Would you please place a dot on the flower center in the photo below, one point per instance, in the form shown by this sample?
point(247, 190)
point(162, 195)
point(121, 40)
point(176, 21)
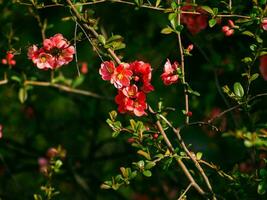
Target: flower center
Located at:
point(43, 59)
point(120, 76)
point(56, 51)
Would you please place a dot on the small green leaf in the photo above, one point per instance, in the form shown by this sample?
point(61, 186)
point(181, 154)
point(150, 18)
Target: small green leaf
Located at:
point(262, 187)
point(254, 77)
point(22, 95)
point(247, 60)
point(78, 81)
point(199, 155)
point(167, 30)
point(147, 173)
point(238, 89)
point(212, 22)
point(145, 154)
point(150, 165)
point(248, 33)
point(158, 3)
point(208, 9)
point(102, 39)
point(16, 78)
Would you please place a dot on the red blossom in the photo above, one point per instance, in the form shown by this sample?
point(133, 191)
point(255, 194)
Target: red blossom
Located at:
point(194, 23)
point(106, 70)
point(56, 52)
point(130, 91)
point(142, 73)
point(264, 24)
point(1, 131)
point(228, 30)
point(121, 76)
point(137, 105)
point(84, 68)
point(9, 59)
point(170, 75)
point(263, 66)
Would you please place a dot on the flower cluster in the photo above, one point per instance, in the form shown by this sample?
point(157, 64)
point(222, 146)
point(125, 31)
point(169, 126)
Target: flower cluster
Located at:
point(133, 83)
point(56, 51)
point(170, 73)
point(9, 60)
point(194, 23)
point(228, 30)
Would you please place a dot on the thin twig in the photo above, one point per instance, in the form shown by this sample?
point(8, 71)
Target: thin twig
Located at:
point(236, 106)
point(64, 88)
point(179, 161)
point(184, 193)
point(91, 29)
point(192, 157)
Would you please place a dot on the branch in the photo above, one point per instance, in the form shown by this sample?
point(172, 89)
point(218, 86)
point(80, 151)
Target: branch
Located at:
point(179, 161)
point(181, 50)
point(191, 156)
point(91, 29)
point(236, 106)
point(184, 193)
point(64, 88)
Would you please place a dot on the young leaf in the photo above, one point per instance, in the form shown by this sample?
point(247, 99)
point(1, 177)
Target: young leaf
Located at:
point(212, 22)
point(238, 89)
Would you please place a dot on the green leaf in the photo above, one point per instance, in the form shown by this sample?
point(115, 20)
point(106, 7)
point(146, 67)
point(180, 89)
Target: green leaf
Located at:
point(212, 22)
point(167, 30)
point(22, 95)
point(150, 165)
point(147, 173)
point(238, 89)
point(145, 154)
point(262, 187)
point(158, 3)
point(78, 81)
point(208, 9)
point(247, 60)
point(113, 114)
point(254, 77)
point(262, 53)
point(102, 39)
point(248, 33)
point(199, 155)
point(16, 78)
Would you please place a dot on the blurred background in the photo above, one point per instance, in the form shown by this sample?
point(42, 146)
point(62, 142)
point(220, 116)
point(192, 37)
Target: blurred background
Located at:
point(50, 117)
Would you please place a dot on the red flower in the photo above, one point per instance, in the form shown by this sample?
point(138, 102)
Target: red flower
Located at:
point(264, 24)
point(121, 76)
point(136, 106)
point(1, 131)
point(56, 51)
point(170, 75)
point(9, 59)
point(130, 91)
point(229, 29)
point(263, 66)
point(84, 68)
point(142, 73)
point(107, 70)
point(44, 61)
point(194, 23)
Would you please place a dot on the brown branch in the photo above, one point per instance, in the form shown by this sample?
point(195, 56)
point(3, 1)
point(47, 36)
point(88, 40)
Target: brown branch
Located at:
point(236, 106)
point(179, 161)
point(181, 50)
point(64, 88)
point(184, 193)
point(191, 156)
